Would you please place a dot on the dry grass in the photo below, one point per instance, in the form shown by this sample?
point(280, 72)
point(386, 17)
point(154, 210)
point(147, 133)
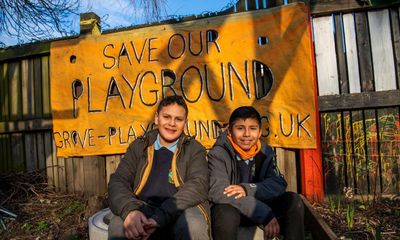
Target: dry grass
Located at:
point(42, 212)
point(378, 219)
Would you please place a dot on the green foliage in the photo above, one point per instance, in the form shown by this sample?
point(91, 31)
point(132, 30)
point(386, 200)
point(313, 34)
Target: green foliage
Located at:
point(397, 213)
point(42, 226)
point(350, 216)
point(73, 237)
point(334, 203)
point(378, 231)
point(74, 207)
point(2, 224)
point(362, 207)
point(26, 227)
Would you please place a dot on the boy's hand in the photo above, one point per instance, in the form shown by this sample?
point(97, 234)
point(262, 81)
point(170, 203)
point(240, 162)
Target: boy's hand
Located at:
point(133, 225)
point(237, 190)
point(272, 229)
point(150, 228)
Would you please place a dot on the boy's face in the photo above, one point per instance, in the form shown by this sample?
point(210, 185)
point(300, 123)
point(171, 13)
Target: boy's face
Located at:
point(245, 133)
point(170, 121)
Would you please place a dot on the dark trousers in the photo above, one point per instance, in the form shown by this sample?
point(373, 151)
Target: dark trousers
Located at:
point(190, 225)
point(288, 209)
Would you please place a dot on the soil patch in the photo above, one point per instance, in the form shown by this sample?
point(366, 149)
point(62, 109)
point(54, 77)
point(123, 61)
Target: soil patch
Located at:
point(358, 219)
point(41, 212)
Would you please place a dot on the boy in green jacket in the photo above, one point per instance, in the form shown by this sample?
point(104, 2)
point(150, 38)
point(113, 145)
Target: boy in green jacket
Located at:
point(246, 187)
point(160, 188)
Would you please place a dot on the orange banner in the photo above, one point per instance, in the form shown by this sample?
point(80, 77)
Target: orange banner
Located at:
point(105, 88)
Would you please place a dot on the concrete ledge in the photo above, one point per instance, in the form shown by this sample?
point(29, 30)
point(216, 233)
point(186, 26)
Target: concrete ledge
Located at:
point(315, 224)
point(98, 228)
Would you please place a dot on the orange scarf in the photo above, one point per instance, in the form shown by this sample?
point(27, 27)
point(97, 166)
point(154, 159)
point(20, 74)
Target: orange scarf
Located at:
point(245, 155)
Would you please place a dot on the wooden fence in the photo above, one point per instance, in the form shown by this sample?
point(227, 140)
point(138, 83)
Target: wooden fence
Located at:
point(358, 69)
point(352, 66)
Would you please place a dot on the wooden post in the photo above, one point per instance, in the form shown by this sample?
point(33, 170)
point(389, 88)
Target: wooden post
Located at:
point(312, 185)
point(90, 24)
point(286, 161)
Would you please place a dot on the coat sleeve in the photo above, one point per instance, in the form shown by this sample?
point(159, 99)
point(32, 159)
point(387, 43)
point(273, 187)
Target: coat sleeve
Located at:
point(273, 183)
point(191, 193)
point(250, 206)
point(120, 188)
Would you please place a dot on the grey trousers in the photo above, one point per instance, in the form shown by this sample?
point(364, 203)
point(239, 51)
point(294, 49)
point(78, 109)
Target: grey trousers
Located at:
point(288, 209)
point(191, 224)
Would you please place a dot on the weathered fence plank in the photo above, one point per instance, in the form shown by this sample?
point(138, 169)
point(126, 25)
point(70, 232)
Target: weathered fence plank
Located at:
point(46, 87)
point(100, 175)
point(395, 21)
point(30, 151)
point(389, 149)
point(79, 175)
point(8, 152)
point(325, 56)
point(359, 100)
point(57, 171)
point(69, 175)
point(349, 161)
point(38, 87)
point(110, 166)
point(360, 171)
point(25, 51)
point(382, 50)
point(95, 175)
point(26, 126)
point(41, 150)
point(28, 100)
point(286, 161)
point(319, 7)
point(112, 163)
point(364, 52)
point(101, 178)
point(333, 152)
point(3, 153)
point(61, 173)
point(341, 54)
point(373, 153)
point(91, 174)
point(351, 53)
point(5, 93)
point(17, 153)
point(2, 92)
point(14, 91)
point(48, 152)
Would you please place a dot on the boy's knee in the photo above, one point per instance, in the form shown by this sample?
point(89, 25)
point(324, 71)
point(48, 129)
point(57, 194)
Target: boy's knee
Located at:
point(116, 228)
point(198, 227)
point(295, 203)
point(225, 221)
point(191, 225)
point(224, 212)
point(296, 200)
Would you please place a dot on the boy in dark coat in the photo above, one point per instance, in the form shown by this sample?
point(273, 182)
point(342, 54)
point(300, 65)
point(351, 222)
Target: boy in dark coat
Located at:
point(160, 188)
point(246, 187)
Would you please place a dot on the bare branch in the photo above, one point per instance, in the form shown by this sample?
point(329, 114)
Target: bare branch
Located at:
point(36, 19)
point(43, 19)
point(153, 9)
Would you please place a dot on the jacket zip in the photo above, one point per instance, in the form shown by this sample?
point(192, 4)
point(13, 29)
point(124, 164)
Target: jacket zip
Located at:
point(142, 173)
point(201, 208)
point(141, 176)
point(205, 215)
point(178, 177)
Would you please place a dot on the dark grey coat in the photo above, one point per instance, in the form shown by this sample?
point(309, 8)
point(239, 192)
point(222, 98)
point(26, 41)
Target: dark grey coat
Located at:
point(191, 167)
point(269, 183)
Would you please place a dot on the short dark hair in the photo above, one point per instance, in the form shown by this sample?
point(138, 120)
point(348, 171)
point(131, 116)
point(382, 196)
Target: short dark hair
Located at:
point(244, 112)
point(174, 99)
